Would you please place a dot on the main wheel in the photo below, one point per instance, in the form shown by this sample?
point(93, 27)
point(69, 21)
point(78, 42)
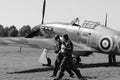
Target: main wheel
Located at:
point(110, 59)
point(76, 60)
point(49, 62)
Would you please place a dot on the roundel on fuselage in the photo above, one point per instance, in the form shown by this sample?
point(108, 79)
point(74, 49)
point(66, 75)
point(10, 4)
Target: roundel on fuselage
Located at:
point(105, 44)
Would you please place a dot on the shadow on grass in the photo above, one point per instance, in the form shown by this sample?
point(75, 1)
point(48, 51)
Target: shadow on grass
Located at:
point(84, 78)
point(44, 69)
point(87, 77)
point(33, 70)
point(82, 65)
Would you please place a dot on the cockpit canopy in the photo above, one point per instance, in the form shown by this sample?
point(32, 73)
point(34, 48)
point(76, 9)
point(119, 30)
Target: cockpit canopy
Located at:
point(90, 24)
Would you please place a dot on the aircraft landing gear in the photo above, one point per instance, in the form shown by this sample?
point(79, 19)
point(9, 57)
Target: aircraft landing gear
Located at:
point(44, 60)
point(49, 62)
point(76, 59)
point(112, 59)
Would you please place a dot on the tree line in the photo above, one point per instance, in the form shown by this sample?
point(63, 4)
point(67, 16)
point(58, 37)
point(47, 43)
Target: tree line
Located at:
point(12, 31)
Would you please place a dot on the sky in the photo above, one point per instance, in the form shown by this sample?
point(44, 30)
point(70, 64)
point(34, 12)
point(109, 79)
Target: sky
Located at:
point(29, 12)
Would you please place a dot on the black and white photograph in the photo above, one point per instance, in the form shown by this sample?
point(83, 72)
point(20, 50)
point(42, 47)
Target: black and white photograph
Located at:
point(59, 40)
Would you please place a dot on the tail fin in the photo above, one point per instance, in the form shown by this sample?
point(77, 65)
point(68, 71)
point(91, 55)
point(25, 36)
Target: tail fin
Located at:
point(106, 20)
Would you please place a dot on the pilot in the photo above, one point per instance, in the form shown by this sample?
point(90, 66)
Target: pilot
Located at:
point(66, 50)
point(59, 57)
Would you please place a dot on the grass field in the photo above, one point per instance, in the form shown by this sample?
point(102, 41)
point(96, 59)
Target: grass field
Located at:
point(25, 66)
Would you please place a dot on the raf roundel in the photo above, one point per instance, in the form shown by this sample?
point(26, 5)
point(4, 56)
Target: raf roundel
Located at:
point(105, 44)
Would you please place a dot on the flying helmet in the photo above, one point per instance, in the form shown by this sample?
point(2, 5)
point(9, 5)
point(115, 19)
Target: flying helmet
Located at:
point(57, 37)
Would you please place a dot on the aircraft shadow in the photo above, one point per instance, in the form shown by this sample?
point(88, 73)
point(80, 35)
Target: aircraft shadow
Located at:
point(84, 78)
point(88, 77)
point(81, 65)
point(33, 70)
point(105, 64)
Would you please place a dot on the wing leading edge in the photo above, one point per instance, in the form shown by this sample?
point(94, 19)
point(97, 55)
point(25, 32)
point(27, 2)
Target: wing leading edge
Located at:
point(28, 42)
point(82, 49)
point(40, 43)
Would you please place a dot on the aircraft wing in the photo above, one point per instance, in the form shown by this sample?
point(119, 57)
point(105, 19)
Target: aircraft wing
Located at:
point(83, 49)
point(39, 43)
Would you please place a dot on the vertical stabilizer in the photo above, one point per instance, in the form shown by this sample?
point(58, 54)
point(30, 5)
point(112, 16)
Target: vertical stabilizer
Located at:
point(106, 20)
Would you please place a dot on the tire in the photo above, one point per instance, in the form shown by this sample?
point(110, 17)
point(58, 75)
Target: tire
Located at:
point(49, 61)
point(76, 60)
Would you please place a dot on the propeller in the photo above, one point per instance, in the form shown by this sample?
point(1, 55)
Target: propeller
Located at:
point(43, 14)
point(33, 33)
point(106, 20)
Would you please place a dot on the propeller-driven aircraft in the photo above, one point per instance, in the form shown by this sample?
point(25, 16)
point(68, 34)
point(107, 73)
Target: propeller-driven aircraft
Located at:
point(87, 38)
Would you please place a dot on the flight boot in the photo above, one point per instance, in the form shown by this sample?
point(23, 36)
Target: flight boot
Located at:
point(60, 76)
point(54, 73)
point(72, 75)
point(70, 72)
point(78, 74)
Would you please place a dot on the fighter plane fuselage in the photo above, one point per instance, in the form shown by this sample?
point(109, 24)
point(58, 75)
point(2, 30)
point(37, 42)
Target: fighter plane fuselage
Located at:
point(93, 34)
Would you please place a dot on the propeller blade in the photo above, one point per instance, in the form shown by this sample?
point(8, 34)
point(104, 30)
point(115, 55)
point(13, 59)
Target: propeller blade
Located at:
point(32, 34)
point(106, 20)
point(43, 13)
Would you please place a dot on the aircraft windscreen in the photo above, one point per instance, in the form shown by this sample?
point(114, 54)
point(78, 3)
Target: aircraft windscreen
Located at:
point(90, 24)
point(76, 25)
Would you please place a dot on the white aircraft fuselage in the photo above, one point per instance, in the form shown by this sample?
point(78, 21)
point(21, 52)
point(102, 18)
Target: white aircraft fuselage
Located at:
point(93, 34)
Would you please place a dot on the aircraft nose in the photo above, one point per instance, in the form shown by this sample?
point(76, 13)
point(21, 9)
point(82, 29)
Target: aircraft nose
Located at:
point(47, 31)
point(46, 28)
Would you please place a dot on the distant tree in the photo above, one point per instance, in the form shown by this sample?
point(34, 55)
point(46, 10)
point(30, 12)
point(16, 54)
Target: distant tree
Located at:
point(26, 29)
point(13, 32)
point(12, 27)
point(1, 30)
point(5, 32)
